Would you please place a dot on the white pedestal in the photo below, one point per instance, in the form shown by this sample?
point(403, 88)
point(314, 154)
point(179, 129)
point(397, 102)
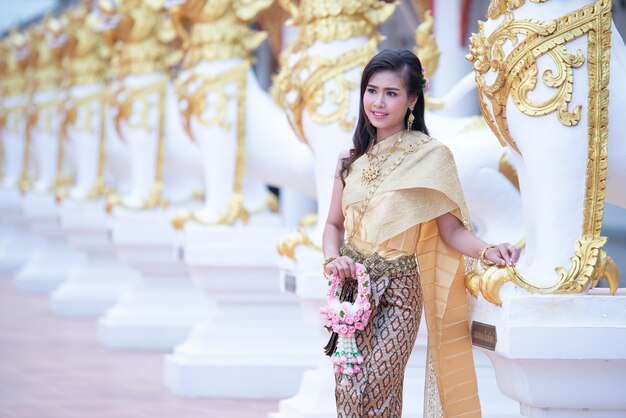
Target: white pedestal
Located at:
point(560, 356)
point(50, 264)
point(257, 335)
point(95, 284)
point(17, 242)
point(316, 396)
point(156, 313)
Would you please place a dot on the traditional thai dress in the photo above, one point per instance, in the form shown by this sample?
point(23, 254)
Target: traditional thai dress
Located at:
point(390, 228)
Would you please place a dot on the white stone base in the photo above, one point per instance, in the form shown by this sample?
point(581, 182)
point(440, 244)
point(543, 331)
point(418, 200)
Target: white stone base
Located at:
point(258, 336)
point(560, 355)
point(92, 287)
point(48, 267)
point(316, 396)
point(16, 248)
point(156, 314)
point(270, 356)
point(17, 242)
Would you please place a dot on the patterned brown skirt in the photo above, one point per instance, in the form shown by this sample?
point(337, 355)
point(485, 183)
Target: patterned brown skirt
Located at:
point(387, 341)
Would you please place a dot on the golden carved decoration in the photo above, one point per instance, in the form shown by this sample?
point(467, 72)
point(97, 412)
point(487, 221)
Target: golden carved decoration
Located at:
point(300, 84)
point(287, 245)
point(499, 7)
point(428, 53)
point(331, 20)
point(518, 71)
point(87, 57)
point(217, 29)
point(143, 40)
point(589, 264)
point(45, 59)
point(427, 49)
point(25, 181)
point(15, 63)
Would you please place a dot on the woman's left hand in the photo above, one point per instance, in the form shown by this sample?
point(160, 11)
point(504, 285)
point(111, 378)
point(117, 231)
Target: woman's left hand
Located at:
point(502, 254)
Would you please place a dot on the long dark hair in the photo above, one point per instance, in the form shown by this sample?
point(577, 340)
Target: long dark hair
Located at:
point(409, 67)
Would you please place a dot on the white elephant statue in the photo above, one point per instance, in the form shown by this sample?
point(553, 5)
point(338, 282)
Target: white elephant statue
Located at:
point(165, 167)
point(542, 72)
point(244, 137)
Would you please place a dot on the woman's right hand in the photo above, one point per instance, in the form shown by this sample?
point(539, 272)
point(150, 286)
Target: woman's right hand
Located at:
point(343, 267)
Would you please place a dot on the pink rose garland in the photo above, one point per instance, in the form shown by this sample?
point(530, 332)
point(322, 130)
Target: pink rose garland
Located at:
point(346, 319)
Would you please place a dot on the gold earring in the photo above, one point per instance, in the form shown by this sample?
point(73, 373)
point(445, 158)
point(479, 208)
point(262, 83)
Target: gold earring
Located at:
point(409, 122)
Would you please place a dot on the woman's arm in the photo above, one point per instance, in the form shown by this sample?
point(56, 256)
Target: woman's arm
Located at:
point(334, 231)
point(456, 236)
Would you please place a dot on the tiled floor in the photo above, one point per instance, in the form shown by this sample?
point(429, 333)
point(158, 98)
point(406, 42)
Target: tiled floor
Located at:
point(53, 367)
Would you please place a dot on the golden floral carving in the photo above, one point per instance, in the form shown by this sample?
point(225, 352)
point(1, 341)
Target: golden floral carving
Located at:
point(287, 245)
point(143, 38)
point(428, 53)
point(516, 75)
point(301, 86)
point(15, 64)
point(213, 30)
point(499, 7)
point(331, 20)
point(87, 57)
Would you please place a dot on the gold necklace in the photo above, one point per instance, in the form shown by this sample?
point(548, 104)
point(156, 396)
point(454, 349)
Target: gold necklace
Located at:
point(372, 171)
point(376, 182)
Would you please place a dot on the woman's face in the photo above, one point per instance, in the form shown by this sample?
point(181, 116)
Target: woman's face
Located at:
point(385, 102)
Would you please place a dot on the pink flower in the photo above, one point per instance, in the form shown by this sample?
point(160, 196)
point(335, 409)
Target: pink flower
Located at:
point(359, 326)
point(346, 382)
point(335, 320)
point(343, 329)
point(349, 320)
point(351, 330)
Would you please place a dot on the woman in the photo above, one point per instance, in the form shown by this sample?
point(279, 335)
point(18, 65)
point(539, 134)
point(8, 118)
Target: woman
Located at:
point(398, 208)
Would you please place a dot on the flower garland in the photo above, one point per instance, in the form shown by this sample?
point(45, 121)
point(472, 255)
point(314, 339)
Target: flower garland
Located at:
point(345, 319)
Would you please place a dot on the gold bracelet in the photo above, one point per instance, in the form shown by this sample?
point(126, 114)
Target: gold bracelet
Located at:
point(328, 260)
point(481, 257)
